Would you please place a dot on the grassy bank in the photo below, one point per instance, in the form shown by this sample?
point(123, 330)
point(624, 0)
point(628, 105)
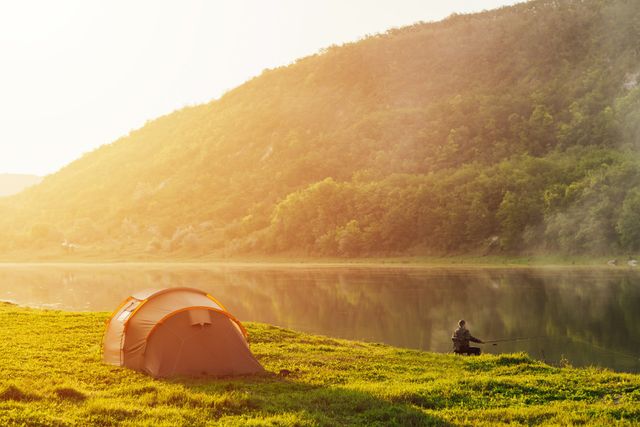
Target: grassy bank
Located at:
point(51, 374)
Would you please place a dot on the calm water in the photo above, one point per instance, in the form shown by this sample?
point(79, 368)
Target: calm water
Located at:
point(589, 317)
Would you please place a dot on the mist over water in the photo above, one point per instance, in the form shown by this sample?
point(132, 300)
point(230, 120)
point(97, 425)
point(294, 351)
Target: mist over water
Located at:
point(585, 316)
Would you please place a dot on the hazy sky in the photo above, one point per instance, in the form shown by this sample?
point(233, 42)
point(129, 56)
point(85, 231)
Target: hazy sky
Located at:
point(78, 74)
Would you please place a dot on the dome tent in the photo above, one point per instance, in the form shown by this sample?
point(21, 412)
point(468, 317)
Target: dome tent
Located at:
point(177, 331)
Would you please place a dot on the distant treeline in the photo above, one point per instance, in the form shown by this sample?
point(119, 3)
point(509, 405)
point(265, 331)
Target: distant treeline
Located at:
point(583, 200)
point(510, 130)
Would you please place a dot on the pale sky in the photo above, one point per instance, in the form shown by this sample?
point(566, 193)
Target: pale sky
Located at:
point(78, 74)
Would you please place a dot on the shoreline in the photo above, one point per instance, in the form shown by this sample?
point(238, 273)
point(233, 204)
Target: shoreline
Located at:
point(303, 265)
point(462, 262)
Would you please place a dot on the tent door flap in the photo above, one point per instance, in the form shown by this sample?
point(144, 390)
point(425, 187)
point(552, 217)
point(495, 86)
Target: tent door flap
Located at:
point(199, 317)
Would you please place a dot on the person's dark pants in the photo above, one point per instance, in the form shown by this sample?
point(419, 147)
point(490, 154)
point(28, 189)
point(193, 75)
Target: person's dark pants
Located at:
point(469, 351)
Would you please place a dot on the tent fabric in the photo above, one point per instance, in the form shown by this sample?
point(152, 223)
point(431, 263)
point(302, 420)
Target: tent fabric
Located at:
point(177, 331)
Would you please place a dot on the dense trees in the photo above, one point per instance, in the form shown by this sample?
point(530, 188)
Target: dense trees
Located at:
point(518, 126)
point(565, 202)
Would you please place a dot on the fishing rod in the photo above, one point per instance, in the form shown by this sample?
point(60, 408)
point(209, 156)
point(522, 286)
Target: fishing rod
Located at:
point(496, 342)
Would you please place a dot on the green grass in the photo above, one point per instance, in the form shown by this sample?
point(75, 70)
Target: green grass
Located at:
point(51, 374)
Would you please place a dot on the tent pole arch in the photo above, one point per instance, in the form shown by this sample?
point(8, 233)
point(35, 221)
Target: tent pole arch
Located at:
point(244, 332)
point(212, 298)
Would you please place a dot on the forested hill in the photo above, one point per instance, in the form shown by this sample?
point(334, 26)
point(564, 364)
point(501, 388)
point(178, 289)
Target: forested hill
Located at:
point(15, 183)
point(509, 130)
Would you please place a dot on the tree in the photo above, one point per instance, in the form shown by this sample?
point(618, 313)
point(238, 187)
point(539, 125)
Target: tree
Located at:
point(628, 226)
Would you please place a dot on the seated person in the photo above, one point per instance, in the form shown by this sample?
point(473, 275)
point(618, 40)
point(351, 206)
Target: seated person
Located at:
point(461, 338)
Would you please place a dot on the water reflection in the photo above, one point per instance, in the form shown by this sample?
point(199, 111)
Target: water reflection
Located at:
point(585, 316)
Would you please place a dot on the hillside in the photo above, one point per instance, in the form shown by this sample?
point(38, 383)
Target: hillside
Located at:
point(52, 374)
point(511, 130)
point(14, 183)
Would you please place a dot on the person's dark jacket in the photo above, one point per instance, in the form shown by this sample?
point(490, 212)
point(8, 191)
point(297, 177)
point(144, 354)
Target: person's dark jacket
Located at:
point(461, 338)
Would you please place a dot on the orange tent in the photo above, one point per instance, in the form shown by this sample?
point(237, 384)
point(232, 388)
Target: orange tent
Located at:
point(177, 331)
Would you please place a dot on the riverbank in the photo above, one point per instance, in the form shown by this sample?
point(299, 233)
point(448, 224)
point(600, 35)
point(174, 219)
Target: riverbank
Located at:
point(51, 374)
point(495, 261)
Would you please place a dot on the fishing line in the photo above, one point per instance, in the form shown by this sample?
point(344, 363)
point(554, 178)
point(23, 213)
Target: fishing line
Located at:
point(602, 349)
point(606, 350)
